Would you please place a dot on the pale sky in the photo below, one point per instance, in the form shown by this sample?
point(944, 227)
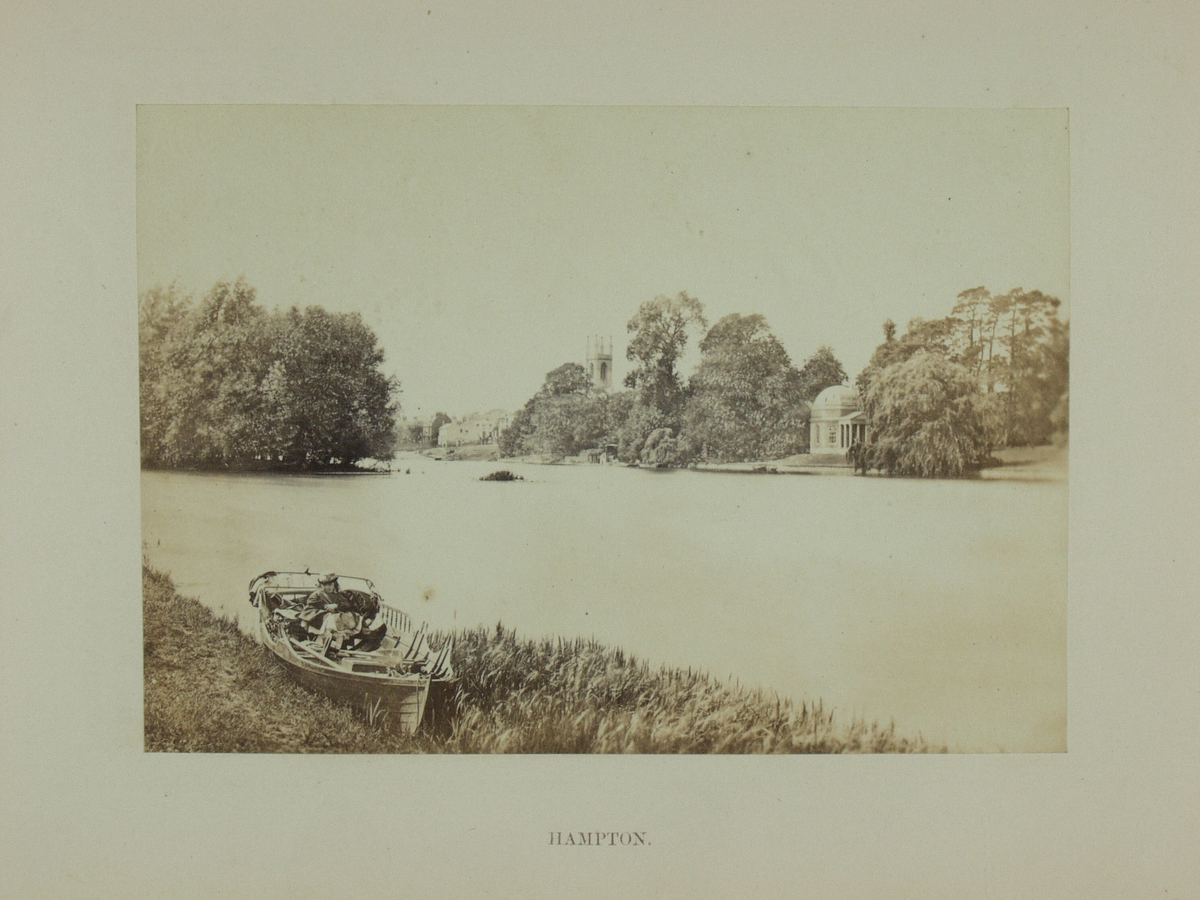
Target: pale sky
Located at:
point(485, 244)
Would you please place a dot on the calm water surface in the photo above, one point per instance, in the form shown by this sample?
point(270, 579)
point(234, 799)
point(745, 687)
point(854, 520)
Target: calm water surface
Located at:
point(939, 604)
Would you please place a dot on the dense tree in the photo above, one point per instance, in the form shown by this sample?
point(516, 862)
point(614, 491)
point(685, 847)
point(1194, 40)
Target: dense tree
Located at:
point(1034, 366)
point(513, 438)
point(569, 378)
point(328, 399)
point(229, 352)
point(638, 423)
point(971, 313)
point(202, 403)
point(225, 384)
point(1036, 411)
point(660, 332)
point(568, 424)
point(925, 419)
point(1012, 343)
point(821, 370)
point(564, 418)
point(660, 450)
point(161, 314)
point(931, 336)
point(746, 398)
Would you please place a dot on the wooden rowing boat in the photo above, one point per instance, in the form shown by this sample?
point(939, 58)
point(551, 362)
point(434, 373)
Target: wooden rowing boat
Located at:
point(393, 677)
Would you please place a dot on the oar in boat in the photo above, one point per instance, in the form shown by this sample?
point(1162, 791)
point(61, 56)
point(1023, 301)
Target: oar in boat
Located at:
point(413, 648)
point(438, 669)
point(312, 652)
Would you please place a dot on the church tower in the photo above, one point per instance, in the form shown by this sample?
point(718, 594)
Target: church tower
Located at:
point(599, 362)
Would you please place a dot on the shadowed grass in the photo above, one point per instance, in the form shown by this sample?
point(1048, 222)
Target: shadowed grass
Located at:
point(210, 688)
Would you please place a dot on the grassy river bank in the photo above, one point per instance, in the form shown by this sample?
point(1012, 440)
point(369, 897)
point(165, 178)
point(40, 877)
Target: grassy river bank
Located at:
point(210, 688)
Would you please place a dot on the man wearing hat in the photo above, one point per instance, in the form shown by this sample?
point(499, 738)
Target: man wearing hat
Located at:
point(324, 599)
point(343, 619)
point(327, 585)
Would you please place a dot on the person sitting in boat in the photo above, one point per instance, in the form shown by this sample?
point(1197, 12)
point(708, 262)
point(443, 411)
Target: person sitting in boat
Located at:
point(348, 618)
point(371, 628)
point(321, 601)
point(326, 592)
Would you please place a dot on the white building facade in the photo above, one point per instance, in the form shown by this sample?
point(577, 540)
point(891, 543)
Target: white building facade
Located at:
point(837, 421)
point(474, 429)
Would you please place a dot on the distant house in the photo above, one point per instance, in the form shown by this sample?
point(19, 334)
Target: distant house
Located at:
point(476, 428)
point(837, 421)
point(425, 423)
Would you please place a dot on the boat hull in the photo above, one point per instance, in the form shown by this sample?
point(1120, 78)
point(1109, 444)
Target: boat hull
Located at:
point(397, 701)
point(391, 687)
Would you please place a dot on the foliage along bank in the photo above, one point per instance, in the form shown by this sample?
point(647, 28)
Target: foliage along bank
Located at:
point(938, 400)
point(992, 374)
point(745, 401)
point(225, 384)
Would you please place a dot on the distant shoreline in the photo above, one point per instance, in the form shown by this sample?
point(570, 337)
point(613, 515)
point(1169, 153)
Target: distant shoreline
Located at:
point(377, 468)
point(1045, 463)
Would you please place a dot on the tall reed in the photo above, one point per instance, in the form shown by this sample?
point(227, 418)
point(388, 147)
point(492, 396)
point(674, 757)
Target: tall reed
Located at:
point(558, 695)
point(210, 688)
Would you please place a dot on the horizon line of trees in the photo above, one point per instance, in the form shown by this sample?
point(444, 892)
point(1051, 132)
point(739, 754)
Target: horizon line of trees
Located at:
point(746, 399)
point(225, 384)
point(938, 399)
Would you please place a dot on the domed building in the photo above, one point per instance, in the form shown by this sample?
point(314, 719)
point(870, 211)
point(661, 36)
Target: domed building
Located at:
point(837, 421)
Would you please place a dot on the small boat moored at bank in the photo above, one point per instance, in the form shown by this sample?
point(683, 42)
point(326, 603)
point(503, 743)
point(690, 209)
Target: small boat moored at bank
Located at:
point(336, 636)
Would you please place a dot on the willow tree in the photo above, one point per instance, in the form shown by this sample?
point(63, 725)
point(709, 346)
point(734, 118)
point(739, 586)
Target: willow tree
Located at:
point(926, 418)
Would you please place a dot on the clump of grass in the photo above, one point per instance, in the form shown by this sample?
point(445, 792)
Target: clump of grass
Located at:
point(502, 475)
point(373, 713)
point(210, 688)
point(579, 696)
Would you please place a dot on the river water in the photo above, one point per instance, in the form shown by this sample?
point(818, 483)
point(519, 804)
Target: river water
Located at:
point(940, 605)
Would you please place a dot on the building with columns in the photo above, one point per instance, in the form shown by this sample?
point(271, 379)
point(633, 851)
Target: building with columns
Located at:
point(837, 421)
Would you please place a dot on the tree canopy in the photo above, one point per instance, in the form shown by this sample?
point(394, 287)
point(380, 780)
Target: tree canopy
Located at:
point(821, 370)
point(937, 398)
point(1013, 344)
point(225, 384)
point(327, 397)
point(660, 332)
point(746, 398)
point(925, 419)
point(564, 418)
point(569, 378)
